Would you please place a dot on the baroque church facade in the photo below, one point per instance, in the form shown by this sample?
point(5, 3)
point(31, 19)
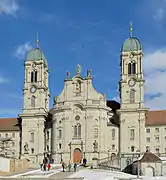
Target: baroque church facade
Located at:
point(82, 122)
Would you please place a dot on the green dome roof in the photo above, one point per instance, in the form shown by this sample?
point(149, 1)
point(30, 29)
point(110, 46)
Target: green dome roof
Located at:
point(131, 44)
point(35, 54)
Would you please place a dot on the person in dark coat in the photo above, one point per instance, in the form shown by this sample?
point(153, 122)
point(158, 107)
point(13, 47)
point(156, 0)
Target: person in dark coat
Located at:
point(75, 167)
point(63, 166)
point(84, 162)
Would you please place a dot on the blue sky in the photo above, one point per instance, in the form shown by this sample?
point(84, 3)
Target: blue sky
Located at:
point(85, 32)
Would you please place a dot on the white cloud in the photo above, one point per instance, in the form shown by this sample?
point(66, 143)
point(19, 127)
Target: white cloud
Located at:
point(21, 50)
point(159, 16)
point(8, 7)
point(3, 80)
point(154, 64)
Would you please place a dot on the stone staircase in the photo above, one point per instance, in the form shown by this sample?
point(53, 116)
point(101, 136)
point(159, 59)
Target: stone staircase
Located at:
point(109, 163)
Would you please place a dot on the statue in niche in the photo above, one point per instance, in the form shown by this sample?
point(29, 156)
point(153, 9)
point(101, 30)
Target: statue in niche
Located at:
point(95, 146)
point(89, 73)
point(78, 86)
point(78, 69)
point(26, 149)
point(55, 99)
point(68, 75)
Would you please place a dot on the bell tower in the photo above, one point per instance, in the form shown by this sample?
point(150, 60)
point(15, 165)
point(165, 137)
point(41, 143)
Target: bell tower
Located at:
point(131, 86)
point(36, 105)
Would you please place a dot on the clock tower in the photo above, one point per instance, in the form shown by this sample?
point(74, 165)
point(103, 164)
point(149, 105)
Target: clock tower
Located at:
point(36, 105)
point(131, 86)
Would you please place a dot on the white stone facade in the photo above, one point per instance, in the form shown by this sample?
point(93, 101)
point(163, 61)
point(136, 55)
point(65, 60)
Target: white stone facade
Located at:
point(80, 123)
point(80, 116)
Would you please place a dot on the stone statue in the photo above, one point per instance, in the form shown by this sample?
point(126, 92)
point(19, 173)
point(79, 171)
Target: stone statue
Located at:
point(89, 73)
point(104, 96)
point(78, 69)
point(68, 75)
point(26, 149)
point(55, 99)
point(95, 146)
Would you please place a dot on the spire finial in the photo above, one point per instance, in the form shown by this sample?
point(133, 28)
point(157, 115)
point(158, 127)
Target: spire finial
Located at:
point(131, 29)
point(37, 40)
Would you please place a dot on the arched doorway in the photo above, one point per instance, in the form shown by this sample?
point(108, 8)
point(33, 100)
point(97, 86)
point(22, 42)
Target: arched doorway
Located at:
point(149, 171)
point(77, 156)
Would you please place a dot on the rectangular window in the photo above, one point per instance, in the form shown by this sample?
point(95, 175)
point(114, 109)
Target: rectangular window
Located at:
point(157, 130)
point(113, 147)
point(95, 132)
point(32, 137)
point(47, 136)
point(157, 150)
point(157, 139)
point(113, 134)
point(132, 134)
point(147, 148)
point(60, 133)
point(148, 139)
point(148, 130)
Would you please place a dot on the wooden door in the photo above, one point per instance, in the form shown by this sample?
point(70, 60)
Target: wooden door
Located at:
point(77, 156)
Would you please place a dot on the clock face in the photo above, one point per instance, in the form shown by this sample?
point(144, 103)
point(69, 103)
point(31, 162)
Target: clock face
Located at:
point(33, 89)
point(132, 82)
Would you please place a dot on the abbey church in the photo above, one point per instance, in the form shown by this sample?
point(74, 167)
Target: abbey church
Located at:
point(83, 123)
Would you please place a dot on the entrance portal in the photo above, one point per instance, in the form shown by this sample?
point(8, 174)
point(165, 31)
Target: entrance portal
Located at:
point(77, 156)
point(149, 171)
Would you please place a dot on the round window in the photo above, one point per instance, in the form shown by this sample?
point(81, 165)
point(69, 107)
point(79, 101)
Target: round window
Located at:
point(77, 117)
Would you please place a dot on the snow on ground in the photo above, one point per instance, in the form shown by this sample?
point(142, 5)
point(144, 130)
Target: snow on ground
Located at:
point(38, 173)
point(100, 175)
point(108, 175)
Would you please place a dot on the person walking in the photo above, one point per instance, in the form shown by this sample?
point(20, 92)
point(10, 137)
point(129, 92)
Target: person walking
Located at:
point(63, 166)
point(69, 166)
point(41, 166)
point(75, 167)
point(48, 166)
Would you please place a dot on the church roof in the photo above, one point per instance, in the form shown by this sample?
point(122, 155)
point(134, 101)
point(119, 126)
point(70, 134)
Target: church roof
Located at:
point(9, 124)
point(131, 44)
point(148, 157)
point(35, 55)
point(156, 118)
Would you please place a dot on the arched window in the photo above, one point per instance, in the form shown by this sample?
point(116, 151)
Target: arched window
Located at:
point(131, 68)
point(79, 130)
point(35, 76)
point(33, 101)
point(32, 76)
point(75, 131)
point(113, 134)
point(132, 96)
